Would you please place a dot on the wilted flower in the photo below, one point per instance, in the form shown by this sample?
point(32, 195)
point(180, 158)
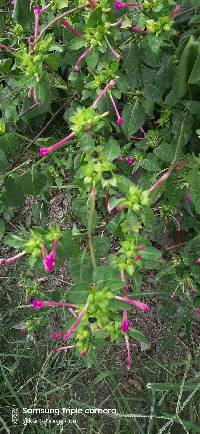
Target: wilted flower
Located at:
point(120, 5)
point(119, 118)
point(83, 56)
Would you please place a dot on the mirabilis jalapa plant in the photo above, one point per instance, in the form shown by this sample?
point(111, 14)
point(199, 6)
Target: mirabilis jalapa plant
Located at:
point(110, 108)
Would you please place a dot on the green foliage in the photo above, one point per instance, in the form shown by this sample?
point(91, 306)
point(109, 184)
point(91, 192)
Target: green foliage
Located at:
point(131, 159)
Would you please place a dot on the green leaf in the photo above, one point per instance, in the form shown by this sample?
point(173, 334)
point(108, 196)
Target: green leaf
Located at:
point(76, 44)
point(13, 195)
point(93, 58)
point(81, 268)
point(61, 4)
point(3, 161)
point(101, 246)
point(78, 294)
point(22, 13)
point(112, 149)
point(79, 208)
point(2, 229)
point(105, 275)
point(15, 241)
point(151, 254)
point(137, 280)
point(195, 74)
point(133, 117)
point(183, 71)
point(68, 246)
point(114, 202)
point(138, 335)
point(33, 182)
point(150, 163)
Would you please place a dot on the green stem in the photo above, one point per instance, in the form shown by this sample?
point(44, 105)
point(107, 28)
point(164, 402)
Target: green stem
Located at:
point(179, 142)
point(91, 206)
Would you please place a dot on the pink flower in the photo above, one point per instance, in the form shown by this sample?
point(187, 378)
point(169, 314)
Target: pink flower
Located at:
point(125, 326)
point(59, 349)
point(198, 261)
point(175, 10)
point(128, 160)
point(141, 247)
point(45, 151)
point(103, 92)
point(119, 118)
point(197, 310)
point(84, 353)
point(85, 54)
point(49, 260)
point(120, 5)
point(160, 180)
point(74, 326)
point(38, 304)
point(93, 4)
point(138, 257)
point(137, 303)
point(37, 12)
point(6, 261)
point(7, 48)
point(71, 28)
point(72, 329)
point(188, 197)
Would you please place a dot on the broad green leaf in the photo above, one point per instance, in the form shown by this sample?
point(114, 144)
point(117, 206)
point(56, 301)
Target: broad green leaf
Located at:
point(81, 268)
point(138, 335)
point(78, 294)
point(2, 229)
point(13, 195)
point(133, 116)
point(68, 246)
point(3, 161)
point(15, 241)
point(22, 13)
point(61, 4)
point(79, 208)
point(33, 182)
point(114, 202)
point(183, 71)
point(150, 254)
point(93, 58)
point(112, 149)
point(150, 163)
point(195, 74)
point(105, 275)
point(76, 44)
point(101, 246)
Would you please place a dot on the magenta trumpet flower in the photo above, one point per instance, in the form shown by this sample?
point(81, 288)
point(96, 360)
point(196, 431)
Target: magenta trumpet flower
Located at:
point(137, 303)
point(128, 160)
point(37, 12)
point(49, 260)
point(120, 5)
point(138, 30)
point(7, 261)
point(45, 151)
point(7, 47)
point(72, 329)
point(38, 304)
point(103, 92)
point(83, 56)
point(71, 28)
point(197, 310)
point(59, 349)
point(93, 4)
point(119, 118)
point(74, 326)
point(162, 179)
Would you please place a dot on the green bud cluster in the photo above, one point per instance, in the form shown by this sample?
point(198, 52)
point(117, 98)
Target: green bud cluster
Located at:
point(126, 260)
point(85, 118)
point(41, 236)
point(106, 73)
point(95, 319)
point(153, 138)
point(136, 199)
point(95, 36)
point(163, 24)
point(98, 169)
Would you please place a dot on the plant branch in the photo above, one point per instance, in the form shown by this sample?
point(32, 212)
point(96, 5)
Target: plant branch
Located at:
point(91, 206)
